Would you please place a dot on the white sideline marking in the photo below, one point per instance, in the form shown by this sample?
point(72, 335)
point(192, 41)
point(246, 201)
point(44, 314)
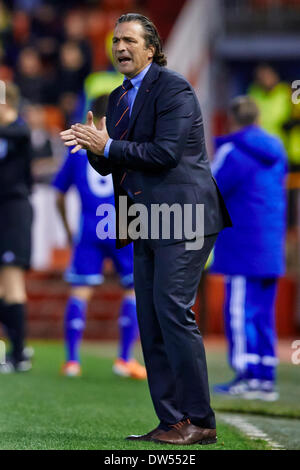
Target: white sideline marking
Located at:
point(249, 429)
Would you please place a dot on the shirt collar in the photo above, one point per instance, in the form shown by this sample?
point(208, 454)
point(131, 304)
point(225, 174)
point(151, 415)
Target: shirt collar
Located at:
point(137, 80)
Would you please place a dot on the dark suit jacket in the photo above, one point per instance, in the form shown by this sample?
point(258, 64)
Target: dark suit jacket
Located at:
point(163, 159)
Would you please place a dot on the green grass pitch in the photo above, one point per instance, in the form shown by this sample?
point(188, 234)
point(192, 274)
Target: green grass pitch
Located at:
point(43, 410)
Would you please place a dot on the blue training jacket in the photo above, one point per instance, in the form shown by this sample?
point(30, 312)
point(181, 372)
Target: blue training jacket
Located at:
point(250, 168)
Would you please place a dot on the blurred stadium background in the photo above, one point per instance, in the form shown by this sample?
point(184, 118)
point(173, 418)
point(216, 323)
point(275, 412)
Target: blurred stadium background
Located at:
point(57, 53)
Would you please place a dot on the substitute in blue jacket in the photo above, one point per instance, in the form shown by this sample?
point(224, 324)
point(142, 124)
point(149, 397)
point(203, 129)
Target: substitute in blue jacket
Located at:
point(89, 251)
point(250, 167)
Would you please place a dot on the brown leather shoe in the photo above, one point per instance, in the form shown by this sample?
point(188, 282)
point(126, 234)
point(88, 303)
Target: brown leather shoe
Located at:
point(186, 433)
point(146, 437)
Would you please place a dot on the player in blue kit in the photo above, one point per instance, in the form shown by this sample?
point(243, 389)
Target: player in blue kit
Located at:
point(89, 251)
point(250, 168)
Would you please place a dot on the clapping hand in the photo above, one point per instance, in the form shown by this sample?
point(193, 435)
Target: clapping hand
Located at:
point(87, 136)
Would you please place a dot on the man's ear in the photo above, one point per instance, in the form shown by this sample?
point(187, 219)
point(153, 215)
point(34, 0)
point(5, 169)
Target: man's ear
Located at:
point(151, 52)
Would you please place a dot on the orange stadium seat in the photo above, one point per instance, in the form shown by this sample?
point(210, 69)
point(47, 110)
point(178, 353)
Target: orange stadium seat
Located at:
point(54, 119)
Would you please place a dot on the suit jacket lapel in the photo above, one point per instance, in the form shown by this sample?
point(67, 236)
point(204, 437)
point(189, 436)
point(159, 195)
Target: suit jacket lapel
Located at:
point(146, 85)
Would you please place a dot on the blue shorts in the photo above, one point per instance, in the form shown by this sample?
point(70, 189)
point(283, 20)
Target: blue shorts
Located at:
point(88, 255)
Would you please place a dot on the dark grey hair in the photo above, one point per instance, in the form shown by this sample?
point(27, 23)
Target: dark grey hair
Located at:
point(244, 110)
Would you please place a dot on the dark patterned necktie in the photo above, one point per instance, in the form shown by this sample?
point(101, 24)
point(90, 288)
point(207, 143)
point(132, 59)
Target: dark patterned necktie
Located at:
point(122, 112)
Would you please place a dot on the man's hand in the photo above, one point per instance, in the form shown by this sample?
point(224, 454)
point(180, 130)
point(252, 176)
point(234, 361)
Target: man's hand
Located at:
point(87, 136)
point(91, 138)
point(68, 136)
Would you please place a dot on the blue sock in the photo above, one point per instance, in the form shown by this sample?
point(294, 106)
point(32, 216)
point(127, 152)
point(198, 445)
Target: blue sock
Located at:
point(128, 325)
point(74, 326)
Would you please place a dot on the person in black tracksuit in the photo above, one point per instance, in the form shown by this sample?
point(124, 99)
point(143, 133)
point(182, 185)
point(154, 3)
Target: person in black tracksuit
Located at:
point(15, 227)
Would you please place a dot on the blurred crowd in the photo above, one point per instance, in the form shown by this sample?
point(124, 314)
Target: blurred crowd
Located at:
point(55, 50)
point(279, 115)
point(48, 49)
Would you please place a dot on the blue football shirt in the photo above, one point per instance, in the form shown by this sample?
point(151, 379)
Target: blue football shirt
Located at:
point(93, 189)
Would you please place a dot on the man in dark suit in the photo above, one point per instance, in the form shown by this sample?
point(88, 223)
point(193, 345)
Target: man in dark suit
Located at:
point(154, 146)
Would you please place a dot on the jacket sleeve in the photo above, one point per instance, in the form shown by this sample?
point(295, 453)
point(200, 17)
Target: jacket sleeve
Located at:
point(100, 163)
point(174, 119)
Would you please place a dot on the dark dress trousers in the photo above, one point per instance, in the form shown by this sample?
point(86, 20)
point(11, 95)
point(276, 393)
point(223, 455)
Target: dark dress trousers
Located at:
point(163, 160)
